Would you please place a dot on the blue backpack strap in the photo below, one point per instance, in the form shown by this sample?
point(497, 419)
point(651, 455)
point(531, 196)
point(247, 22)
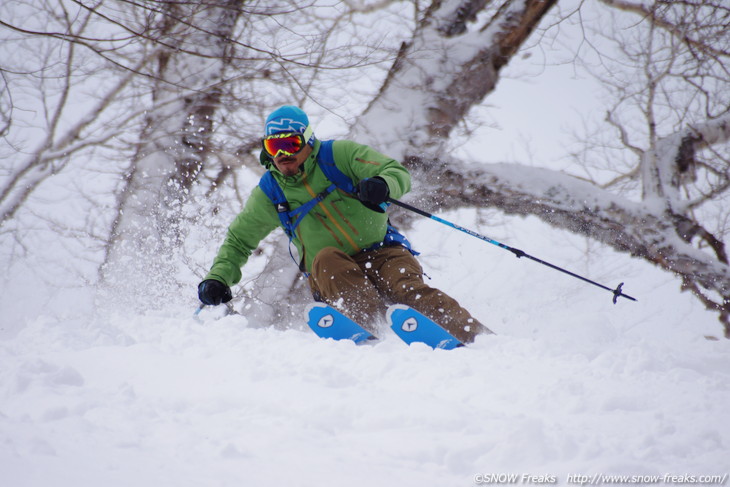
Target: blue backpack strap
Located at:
point(290, 219)
point(298, 214)
point(326, 161)
point(272, 189)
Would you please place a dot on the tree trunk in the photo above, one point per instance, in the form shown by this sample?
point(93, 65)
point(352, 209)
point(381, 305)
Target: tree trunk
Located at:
point(443, 71)
point(174, 143)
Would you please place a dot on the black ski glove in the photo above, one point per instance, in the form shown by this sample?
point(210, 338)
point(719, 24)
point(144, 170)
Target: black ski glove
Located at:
point(372, 192)
point(213, 293)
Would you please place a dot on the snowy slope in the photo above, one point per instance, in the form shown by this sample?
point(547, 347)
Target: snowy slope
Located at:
point(570, 385)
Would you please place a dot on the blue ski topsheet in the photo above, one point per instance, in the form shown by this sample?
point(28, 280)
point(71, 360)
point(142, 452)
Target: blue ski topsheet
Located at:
point(411, 326)
point(327, 322)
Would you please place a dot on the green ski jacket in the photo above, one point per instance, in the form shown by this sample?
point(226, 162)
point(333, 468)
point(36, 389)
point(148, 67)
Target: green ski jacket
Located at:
point(340, 220)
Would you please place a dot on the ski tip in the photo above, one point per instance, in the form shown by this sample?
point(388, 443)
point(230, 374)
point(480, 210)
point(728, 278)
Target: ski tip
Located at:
point(315, 305)
point(392, 309)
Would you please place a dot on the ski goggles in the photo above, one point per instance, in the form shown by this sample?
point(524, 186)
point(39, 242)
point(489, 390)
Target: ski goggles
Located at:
point(288, 144)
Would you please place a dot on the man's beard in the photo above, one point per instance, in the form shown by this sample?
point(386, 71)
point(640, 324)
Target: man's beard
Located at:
point(288, 166)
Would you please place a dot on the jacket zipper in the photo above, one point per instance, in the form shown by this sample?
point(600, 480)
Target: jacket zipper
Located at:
point(347, 236)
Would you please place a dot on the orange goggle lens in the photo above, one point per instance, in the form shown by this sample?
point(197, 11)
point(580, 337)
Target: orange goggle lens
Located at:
point(289, 144)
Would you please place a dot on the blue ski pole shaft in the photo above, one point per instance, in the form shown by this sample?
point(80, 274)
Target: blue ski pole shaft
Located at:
point(617, 293)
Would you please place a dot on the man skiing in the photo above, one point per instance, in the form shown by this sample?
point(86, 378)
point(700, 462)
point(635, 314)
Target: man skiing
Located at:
point(355, 260)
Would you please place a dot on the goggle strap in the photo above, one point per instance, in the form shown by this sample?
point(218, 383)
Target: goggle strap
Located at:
point(308, 132)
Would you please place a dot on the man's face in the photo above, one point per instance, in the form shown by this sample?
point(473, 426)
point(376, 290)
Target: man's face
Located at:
point(289, 165)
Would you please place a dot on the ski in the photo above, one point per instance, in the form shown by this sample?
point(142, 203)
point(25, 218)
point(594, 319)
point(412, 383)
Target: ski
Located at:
point(407, 323)
point(327, 322)
point(411, 326)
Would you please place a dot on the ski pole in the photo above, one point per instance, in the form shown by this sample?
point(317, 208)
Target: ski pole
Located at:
point(617, 293)
point(196, 315)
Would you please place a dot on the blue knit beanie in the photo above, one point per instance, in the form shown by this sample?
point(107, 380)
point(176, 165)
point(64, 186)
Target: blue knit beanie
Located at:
point(288, 119)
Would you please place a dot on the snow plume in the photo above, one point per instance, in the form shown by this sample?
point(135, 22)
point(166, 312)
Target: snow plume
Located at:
point(146, 247)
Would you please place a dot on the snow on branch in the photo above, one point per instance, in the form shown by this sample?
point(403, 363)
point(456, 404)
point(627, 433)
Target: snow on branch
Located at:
point(443, 71)
point(673, 157)
point(580, 207)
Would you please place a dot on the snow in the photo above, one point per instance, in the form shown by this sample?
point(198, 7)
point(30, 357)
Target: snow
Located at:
point(570, 385)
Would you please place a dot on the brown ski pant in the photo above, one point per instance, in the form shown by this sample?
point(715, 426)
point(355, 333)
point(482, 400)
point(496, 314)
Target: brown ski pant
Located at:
point(362, 285)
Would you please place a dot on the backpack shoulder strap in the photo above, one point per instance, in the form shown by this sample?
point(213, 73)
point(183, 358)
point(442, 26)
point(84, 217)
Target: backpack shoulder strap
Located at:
point(326, 160)
point(290, 219)
point(272, 189)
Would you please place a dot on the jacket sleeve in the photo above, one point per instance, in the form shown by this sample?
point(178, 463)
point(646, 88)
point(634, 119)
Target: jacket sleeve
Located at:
point(257, 219)
point(359, 161)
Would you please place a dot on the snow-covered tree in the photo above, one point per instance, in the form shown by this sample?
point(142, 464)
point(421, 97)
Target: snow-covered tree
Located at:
point(192, 48)
point(185, 88)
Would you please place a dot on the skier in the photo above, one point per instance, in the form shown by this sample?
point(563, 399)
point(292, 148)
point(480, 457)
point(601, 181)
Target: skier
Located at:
point(355, 260)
